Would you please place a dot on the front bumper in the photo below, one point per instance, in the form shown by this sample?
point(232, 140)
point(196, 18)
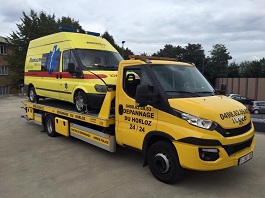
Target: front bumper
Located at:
point(96, 100)
point(229, 155)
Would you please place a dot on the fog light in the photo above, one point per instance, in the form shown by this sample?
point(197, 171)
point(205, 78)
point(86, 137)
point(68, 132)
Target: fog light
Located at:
point(209, 154)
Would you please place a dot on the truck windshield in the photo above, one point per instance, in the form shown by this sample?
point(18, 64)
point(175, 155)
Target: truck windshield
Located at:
point(98, 60)
point(180, 81)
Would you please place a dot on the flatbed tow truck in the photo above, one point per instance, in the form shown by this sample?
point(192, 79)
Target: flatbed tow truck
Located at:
point(175, 126)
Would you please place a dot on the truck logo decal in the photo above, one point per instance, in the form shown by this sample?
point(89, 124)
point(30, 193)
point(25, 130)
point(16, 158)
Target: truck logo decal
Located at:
point(239, 119)
point(53, 60)
point(231, 114)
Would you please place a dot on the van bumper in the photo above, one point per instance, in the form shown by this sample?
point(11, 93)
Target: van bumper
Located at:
point(190, 155)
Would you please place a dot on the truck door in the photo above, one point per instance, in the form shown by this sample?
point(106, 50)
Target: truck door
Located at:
point(134, 122)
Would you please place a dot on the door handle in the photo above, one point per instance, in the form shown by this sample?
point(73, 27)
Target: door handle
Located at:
point(120, 109)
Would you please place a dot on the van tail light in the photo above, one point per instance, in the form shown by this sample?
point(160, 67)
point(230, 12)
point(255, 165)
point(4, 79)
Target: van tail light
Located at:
point(252, 107)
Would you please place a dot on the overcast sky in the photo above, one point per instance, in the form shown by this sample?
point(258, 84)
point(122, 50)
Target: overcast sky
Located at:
point(147, 25)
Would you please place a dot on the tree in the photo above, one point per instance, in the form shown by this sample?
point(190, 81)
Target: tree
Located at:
point(233, 70)
point(254, 69)
point(171, 52)
point(218, 63)
point(194, 53)
point(32, 26)
point(111, 40)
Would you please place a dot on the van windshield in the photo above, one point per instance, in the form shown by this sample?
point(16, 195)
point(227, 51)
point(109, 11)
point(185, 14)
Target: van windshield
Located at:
point(98, 60)
point(182, 81)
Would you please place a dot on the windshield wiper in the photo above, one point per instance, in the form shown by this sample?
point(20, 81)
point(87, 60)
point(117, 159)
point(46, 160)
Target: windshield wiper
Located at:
point(113, 67)
point(186, 92)
point(206, 92)
point(106, 67)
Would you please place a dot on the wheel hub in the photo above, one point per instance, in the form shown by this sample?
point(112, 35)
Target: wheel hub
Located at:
point(31, 95)
point(49, 126)
point(79, 103)
point(162, 163)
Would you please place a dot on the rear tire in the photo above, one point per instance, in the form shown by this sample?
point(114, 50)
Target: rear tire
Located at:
point(163, 162)
point(33, 97)
point(50, 126)
point(256, 111)
point(81, 102)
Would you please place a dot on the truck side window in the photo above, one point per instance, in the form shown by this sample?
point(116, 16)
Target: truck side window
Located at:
point(68, 57)
point(133, 78)
point(145, 80)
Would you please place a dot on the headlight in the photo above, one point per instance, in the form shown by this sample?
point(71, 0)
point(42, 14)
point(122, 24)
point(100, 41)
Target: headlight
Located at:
point(101, 88)
point(199, 122)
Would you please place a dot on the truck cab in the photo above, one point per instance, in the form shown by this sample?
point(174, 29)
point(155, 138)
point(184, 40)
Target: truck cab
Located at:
point(161, 103)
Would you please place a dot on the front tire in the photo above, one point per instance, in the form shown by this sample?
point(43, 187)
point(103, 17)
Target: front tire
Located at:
point(50, 126)
point(81, 102)
point(163, 162)
point(33, 97)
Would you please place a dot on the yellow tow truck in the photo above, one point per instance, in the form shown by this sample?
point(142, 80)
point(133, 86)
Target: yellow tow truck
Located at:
point(163, 108)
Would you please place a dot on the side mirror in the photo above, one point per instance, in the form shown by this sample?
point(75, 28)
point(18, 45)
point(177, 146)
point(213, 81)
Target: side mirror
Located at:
point(223, 89)
point(141, 96)
point(71, 68)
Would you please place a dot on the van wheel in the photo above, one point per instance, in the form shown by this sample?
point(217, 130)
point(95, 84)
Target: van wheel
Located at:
point(256, 111)
point(50, 126)
point(81, 102)
point(163, 162)
point(33, 97)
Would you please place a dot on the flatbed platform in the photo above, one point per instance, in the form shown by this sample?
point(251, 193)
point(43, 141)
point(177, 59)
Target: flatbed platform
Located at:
point(67, 110)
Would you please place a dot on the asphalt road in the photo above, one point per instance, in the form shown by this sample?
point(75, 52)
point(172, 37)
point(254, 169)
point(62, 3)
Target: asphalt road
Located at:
point(35, 165)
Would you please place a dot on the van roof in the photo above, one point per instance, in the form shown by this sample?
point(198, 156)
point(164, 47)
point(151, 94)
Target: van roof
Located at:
point(78, 40)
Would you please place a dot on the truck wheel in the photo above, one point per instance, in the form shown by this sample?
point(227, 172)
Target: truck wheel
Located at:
point(164, 163)
point(81, 102)
point(33, 97)
point(50, 126)
point(256, 111)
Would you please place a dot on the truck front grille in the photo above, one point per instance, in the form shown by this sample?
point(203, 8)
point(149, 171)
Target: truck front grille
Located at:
point(233, 132)
point(233, 148)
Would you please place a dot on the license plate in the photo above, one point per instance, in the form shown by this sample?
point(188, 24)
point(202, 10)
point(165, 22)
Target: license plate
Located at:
point(245, 158)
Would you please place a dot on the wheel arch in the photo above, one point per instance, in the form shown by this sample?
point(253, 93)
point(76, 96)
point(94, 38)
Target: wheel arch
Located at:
point(29, 87)
point(150, 139)
point(78, 88)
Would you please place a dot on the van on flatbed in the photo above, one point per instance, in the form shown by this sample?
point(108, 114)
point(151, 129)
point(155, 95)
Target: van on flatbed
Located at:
point(71, 66)
point(165, 109)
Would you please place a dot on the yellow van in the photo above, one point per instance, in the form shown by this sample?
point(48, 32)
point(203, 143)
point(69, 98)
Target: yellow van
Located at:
point(71, 66)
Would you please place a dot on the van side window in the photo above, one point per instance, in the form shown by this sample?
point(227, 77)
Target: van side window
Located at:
point(68, 57)
point(44, 62)
point(50, 62)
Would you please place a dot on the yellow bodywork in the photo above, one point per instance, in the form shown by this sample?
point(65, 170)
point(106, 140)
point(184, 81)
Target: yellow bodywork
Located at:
point(60, 84)
point(133, 123)
point(218, 108)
